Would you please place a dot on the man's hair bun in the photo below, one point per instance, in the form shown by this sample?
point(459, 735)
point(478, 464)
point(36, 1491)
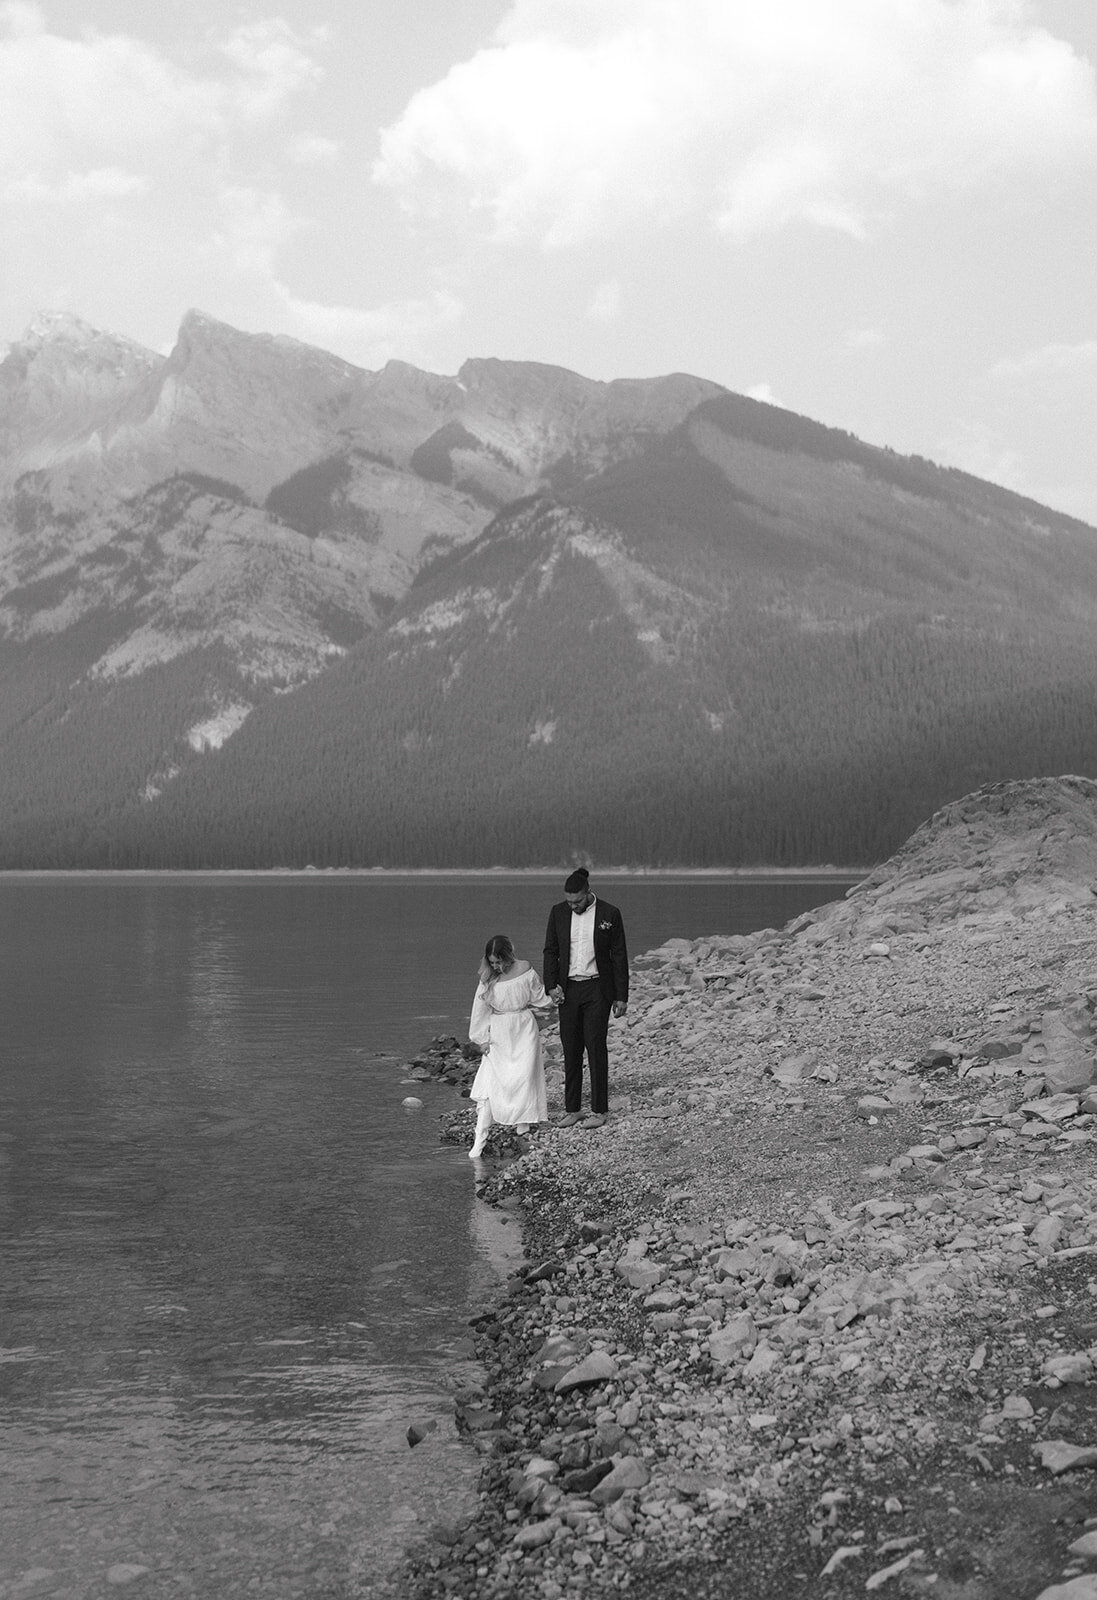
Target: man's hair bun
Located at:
point(578, 880)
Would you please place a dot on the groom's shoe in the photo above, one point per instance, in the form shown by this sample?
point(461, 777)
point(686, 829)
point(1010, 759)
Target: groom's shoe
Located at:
point(570, 1119)
point(597, 1120)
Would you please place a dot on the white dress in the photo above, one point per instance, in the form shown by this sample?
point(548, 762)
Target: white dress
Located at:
point(511, 1077)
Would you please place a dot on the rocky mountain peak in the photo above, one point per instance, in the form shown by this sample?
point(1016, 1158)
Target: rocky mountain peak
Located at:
point(398, 407)
point(58, 383)
point(48, 325)
point(401, 377)
point(202, 336)
point(249, 408)
point(538, 386)
point(57, 341)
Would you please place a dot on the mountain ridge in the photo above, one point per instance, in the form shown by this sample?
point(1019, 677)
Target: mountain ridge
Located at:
point(249, 568)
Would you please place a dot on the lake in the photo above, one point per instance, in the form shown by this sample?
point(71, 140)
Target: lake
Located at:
point(234, 1266)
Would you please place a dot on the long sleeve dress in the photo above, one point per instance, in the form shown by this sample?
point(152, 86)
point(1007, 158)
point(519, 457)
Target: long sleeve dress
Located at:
point(511, 1077)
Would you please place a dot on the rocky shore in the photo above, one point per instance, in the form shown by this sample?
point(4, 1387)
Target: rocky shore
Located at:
point(816, 1311)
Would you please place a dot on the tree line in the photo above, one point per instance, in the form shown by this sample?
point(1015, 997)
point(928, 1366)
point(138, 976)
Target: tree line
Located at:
point(553, 735)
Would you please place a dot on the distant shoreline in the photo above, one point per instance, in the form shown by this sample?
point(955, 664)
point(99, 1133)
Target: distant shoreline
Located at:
point(327, 873)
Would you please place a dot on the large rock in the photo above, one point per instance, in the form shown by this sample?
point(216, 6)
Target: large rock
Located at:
point(598, 1367)
point(735, 1340)
point(1062, 1051)
point(1059, 1456)
point(1084, 1587)
point(627, 1472)
point(639, 1273)
point(535, 1534)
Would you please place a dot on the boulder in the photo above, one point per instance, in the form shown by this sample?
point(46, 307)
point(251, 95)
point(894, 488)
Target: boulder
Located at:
point(1084, 1587)
point(1075, 1368)
point(663, 1300)
point(627, 1472)
point(736, 1339)
point(736, 1262)
point(640, 1274)
point(598, 1367)
point(1059, 1052)
point(1059, 1456)
point(535, 1534)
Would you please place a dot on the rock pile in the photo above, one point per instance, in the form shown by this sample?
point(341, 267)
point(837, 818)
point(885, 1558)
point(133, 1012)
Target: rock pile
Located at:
point(820, 1300)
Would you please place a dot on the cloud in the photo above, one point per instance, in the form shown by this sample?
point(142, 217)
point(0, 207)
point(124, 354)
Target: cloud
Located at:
point(763, 392)
point(579, 120)
point(372, 336)
point(975, 447)
point(253, 223)
point(76, 188)
point(606, 302)
point(1024, 426)
point(163, 163)
point(273, 64)
point(21, 20)
point(1051, 360)
point(313, 150)
point(110, 100)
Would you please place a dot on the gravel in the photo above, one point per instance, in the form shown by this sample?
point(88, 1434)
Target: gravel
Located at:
point(817, 1308)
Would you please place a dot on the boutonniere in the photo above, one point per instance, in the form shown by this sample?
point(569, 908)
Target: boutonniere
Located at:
point(605, 924)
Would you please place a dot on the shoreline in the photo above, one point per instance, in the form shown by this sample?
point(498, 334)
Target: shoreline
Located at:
point(814, 1304)
point(657, 874)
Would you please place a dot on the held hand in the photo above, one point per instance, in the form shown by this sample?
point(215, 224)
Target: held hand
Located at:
point(556, 995)
point(620, 1007)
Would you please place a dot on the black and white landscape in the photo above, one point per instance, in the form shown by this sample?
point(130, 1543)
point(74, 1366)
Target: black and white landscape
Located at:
point(260, 607)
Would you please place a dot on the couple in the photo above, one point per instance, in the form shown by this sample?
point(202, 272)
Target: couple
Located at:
point(586, 975)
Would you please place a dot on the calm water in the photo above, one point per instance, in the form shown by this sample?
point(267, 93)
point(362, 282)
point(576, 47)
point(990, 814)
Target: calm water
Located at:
point(233, 1267)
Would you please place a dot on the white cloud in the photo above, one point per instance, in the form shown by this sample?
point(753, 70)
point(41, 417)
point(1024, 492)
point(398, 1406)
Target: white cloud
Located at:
point(273, 64)
point(313, 150)
point(580, 119)
point(1025, 427)
point(107, 100)
point(1050, 360)
point(866, 338)
point(975, 447)
point(19, 20)
point(75, 188)
point(253, 223)
point(371, 336)
point(165, 164)
point(606, 302)
point(763, 392)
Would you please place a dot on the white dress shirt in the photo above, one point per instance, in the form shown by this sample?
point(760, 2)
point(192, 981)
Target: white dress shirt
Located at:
point(581, 963)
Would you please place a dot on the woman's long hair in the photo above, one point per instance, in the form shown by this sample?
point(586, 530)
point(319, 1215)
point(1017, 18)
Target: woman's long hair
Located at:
point(497, 945)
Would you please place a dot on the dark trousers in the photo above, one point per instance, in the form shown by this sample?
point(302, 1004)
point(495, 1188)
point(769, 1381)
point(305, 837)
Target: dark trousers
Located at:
point(584, 1025)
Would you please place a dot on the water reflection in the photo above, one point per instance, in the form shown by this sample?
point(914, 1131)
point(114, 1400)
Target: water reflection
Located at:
point(227, 1287)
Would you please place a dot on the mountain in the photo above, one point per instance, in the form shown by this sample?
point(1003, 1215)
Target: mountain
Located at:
point(261, 607)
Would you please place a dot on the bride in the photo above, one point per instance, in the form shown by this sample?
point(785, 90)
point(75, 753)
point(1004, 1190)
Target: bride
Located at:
point(509, 1087)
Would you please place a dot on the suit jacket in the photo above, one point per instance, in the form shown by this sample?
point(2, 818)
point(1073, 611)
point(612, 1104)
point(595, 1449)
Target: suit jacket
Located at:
point(610, 953)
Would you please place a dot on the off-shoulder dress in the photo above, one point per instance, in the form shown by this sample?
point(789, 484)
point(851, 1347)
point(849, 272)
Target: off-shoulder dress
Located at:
point(511, 1077)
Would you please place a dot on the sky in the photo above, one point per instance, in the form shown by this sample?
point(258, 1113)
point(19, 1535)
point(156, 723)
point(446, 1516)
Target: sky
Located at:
point(878, 213)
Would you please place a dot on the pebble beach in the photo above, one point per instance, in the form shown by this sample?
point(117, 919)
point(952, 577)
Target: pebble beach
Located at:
point(815, 1312)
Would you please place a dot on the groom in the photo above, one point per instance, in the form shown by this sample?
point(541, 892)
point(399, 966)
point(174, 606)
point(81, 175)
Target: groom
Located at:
point(586, 973)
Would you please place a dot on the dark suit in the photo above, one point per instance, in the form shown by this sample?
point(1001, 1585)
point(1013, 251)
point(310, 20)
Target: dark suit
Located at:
point(584, 1014)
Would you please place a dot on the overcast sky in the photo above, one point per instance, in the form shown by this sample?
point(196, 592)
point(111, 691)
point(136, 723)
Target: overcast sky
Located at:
point(879, 213)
